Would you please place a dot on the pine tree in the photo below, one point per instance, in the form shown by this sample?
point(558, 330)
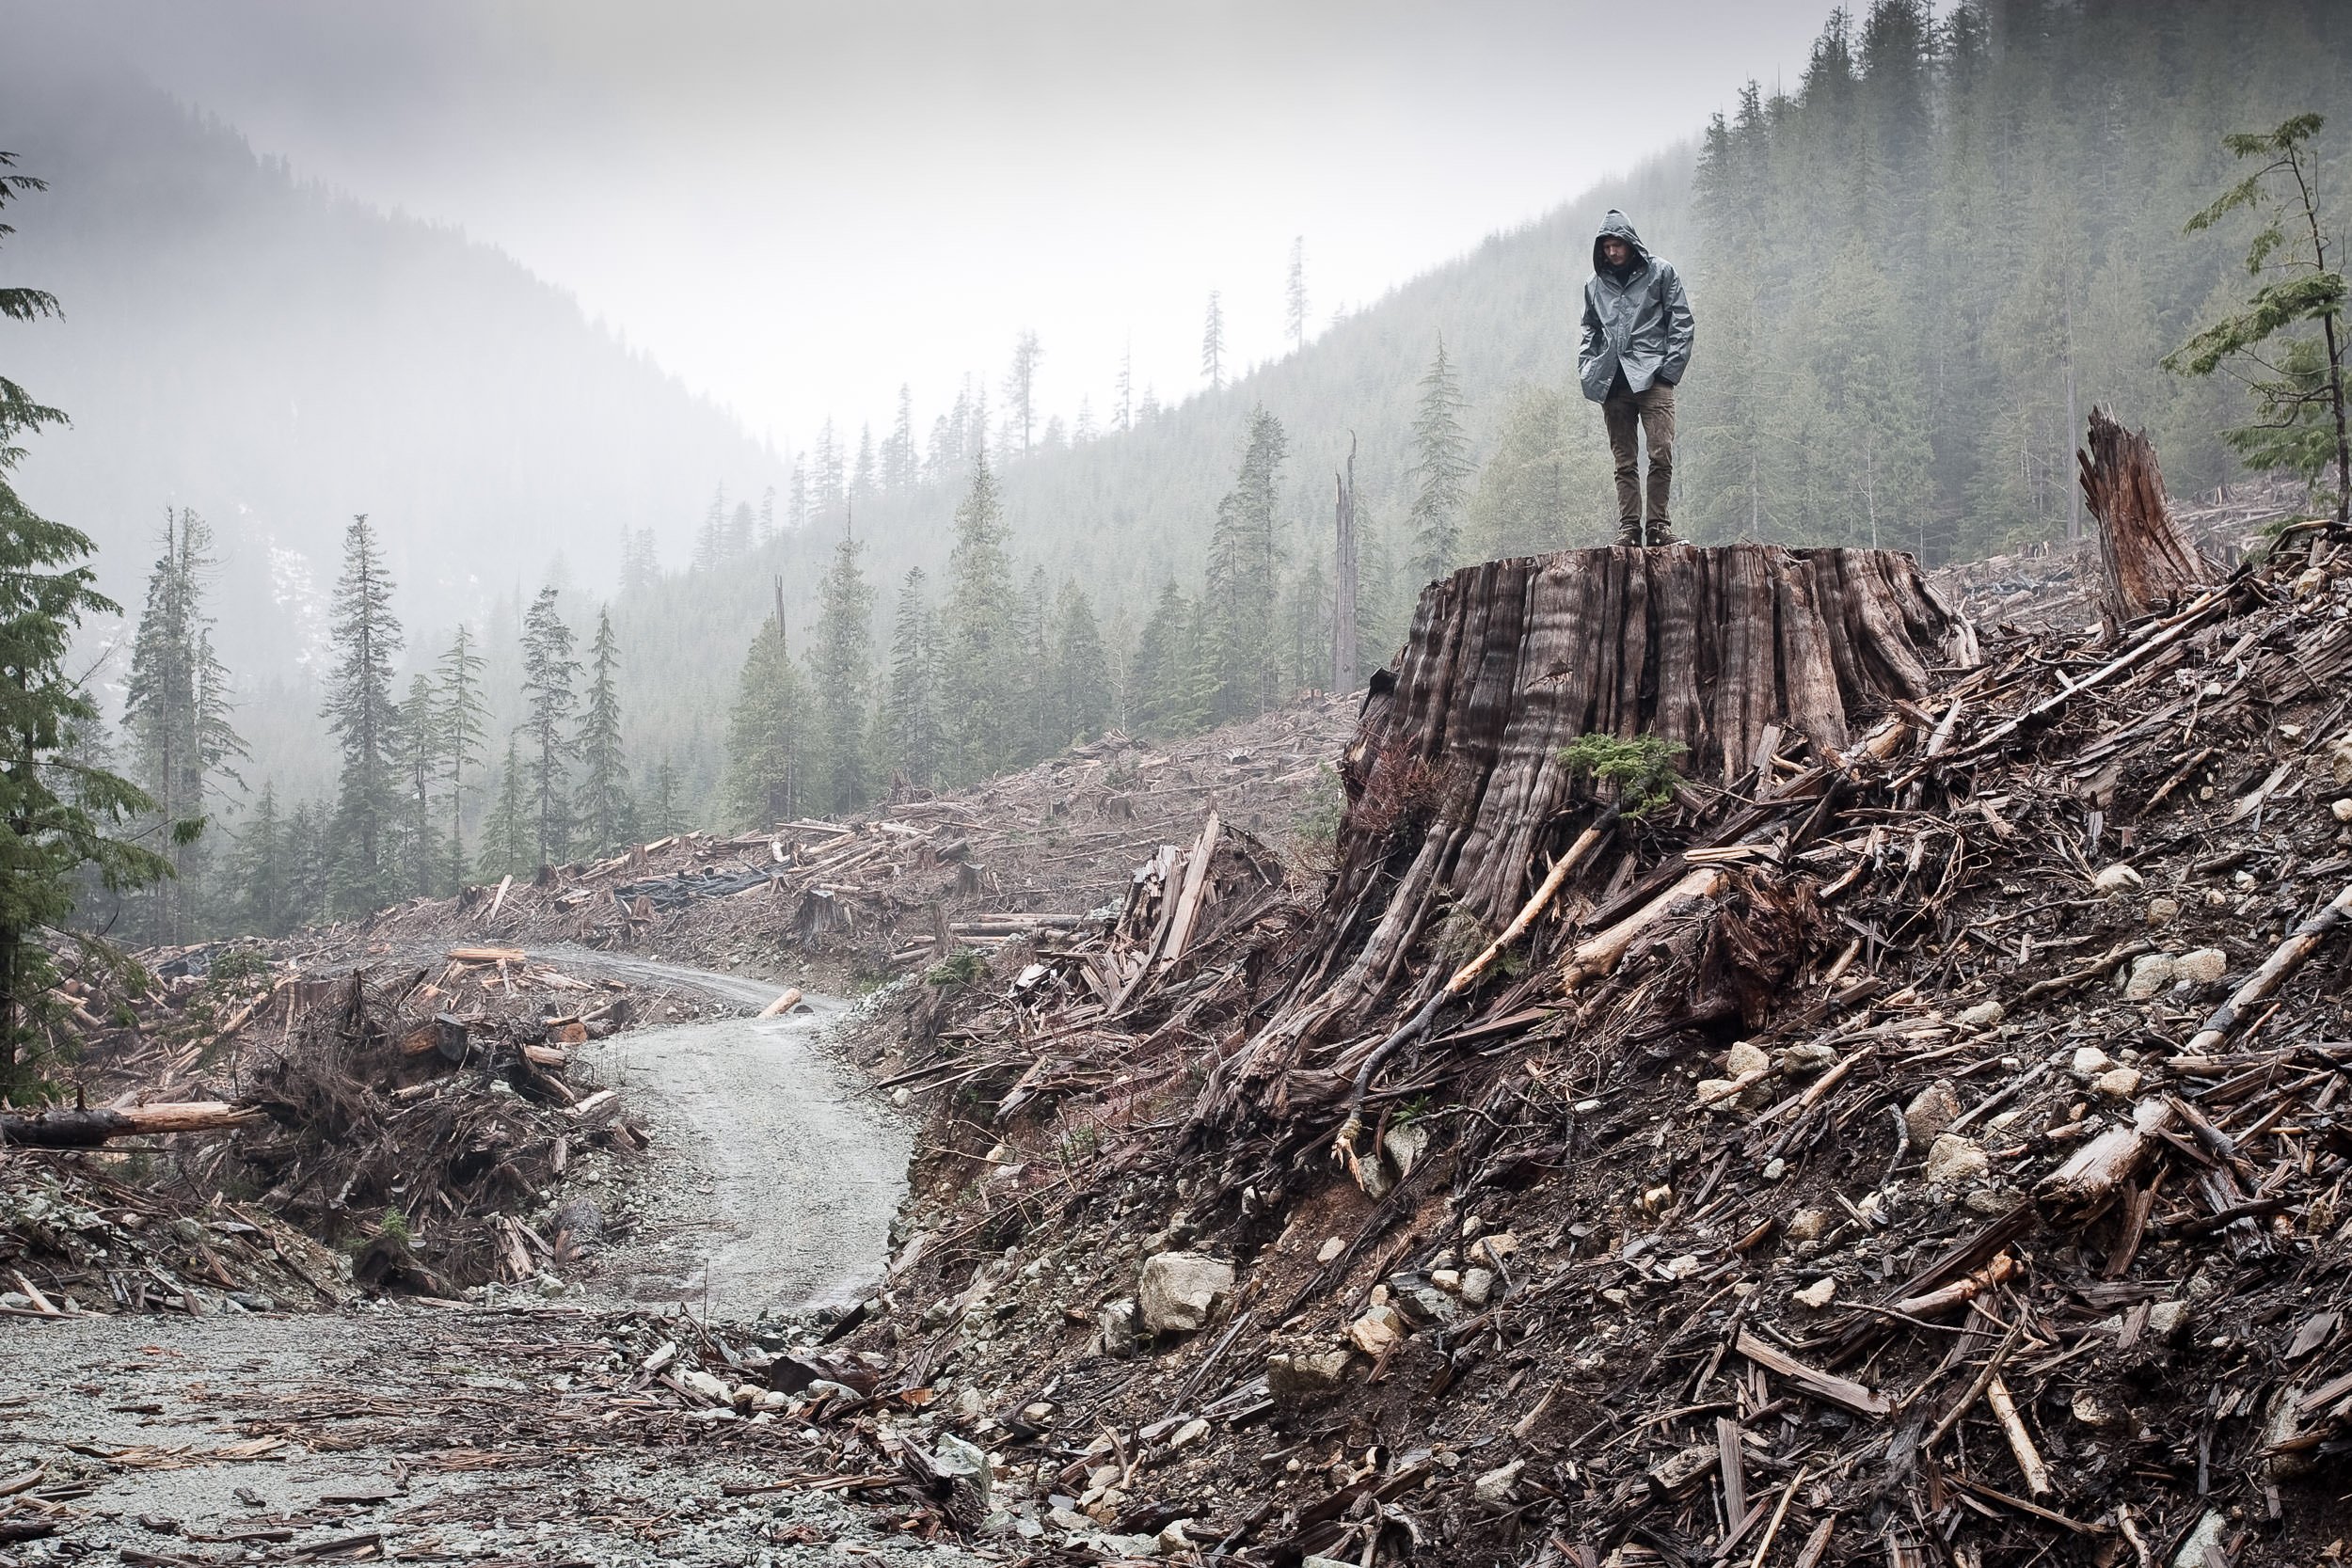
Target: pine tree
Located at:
point(605, 811)
point(1212, 343)
point(464, 727)
point(767, 734)
point(661, 799)
point(1295, 295)
point(1442, 469)
point(1021, 388)
point(1245, 568)
point(361, 711)
point(841, 671)
point(899, 458)
point(506, 832)
point(910, 715)
point(1162, 674)
point(1082, 696)
point(1124, 401)
point(423, 858)
point(549, 700)
point(979, 674)
point(176, 715)
point(310, 864)
point(62, 815)
point(261, 872)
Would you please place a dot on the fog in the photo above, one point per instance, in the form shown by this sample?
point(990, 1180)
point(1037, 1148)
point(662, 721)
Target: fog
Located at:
point(797, 206)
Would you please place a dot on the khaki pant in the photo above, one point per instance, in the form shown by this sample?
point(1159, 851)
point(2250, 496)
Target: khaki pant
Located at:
point(1653, 411)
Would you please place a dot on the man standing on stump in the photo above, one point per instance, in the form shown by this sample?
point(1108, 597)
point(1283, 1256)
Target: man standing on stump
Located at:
point(1637, 344)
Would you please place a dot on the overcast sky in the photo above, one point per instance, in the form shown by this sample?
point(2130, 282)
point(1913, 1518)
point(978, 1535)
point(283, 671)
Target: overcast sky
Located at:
point(796, 206)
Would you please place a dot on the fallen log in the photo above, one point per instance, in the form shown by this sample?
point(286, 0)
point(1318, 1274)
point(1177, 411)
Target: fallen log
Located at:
point(83, 1129)
point(2284, 961)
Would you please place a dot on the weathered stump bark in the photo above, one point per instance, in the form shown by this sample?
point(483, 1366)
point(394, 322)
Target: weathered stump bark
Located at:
point(1457, 753)
point(2150, 561)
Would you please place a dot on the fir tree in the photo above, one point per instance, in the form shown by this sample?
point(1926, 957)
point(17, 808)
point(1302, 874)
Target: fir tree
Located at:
point(310, 864)
point(1442, 469)
point(549, 700)
point(1295, 295)
point(1212, 343)
point(464, 727)
point(361, 711)
point(1021, 388)
point(176, 714)
point(261, 873)
point(1162, 673)
point(899, 457)
point(910, 714)
point(1238, 602)
point(661, 799)
point(506, 832)
point(1081, 674)
point(980, 674)
point(605, 811)
point(767, 732)
point(62, 814)
point(841, 671)
point(424, 859)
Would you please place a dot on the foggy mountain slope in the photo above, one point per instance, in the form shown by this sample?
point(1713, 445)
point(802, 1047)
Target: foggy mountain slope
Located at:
point(278, 357)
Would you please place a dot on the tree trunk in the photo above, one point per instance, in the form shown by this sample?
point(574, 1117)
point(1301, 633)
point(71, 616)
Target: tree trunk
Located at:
point(1454, 778)
point(2151, 563)
point(1344, 659)
point(88, 1129)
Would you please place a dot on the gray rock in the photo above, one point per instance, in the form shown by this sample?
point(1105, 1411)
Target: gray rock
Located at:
point(1952, 1160)
point(1497, 1487)
point(1933, 1110)
point(1421, 1300)
point(960, 1461)
point(581, 1217)
point(1478, 1285)
point(1178, 1291)
point(2203, 967)
point(1117, 1320)
point(1294, 1375)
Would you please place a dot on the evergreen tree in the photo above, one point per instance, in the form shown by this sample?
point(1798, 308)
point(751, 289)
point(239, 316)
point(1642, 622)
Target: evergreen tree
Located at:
point(605, 814)
point(1021, 389)
point(899, 457)
point(979, 674)
point(62, 814)
point(361, 711)
point(1295, 295)
point(423, 858)
point(464, 727)
point(1082, 697)
point(176, 715)
point(549, 700)
point(1162, 676)
point(910, 715)
point(661, 799)
point(506, 832)
point(1123, 394)
point(1442, 469)
point(1212, 343)
point(261, 873)
point(841, 670)
point(310, 866)
point(1238, 604)
point(767, 732)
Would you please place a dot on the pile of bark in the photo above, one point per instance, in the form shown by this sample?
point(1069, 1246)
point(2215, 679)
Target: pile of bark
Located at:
point(885, 891)
point(1911, 1133)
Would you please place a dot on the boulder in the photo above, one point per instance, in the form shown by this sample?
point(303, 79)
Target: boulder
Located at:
point(1952, 1160)
point(1117, 1320)
point(1932, 1110)
point(2203, 967)
point(1298, 1374)
point(2152, 976)
point(1178, 1291)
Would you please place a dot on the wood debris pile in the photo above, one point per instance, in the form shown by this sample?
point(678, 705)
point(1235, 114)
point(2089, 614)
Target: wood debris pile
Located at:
point(408, 1124)
point(1930, 1146)
point(886, 891)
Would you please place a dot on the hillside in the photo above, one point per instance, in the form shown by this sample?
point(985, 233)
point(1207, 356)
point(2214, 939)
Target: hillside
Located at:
point(278, 357)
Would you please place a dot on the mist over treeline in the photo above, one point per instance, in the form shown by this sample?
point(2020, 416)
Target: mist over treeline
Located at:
point(1915, 270)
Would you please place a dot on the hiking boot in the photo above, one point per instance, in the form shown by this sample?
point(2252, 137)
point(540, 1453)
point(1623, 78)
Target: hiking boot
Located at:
point(1659, 534)
point(1629, 534)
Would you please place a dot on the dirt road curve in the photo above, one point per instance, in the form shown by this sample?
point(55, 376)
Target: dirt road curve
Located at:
point(459, 1435)
point(774, 1174)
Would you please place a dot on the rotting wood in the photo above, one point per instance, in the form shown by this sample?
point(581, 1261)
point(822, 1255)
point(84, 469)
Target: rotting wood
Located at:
point(84, 1129)
point(2150, 563)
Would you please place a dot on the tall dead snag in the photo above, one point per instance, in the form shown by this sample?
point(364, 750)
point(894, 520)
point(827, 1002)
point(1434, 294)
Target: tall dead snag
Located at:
point(2151, 563)
point(1455, 779)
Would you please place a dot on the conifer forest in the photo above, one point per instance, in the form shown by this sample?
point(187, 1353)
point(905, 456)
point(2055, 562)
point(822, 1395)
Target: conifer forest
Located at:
point(1530, 783)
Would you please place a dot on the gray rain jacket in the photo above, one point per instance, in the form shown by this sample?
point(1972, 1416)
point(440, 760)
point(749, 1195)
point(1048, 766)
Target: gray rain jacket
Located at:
point(1641, 326)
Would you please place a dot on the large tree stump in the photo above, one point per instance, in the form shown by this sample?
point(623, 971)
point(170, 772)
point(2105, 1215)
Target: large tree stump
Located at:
point(2150, 561)
point(1508, 662)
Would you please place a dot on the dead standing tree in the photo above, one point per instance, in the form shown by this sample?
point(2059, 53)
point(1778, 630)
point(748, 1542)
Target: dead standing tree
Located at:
point(1741, 654)
point(2150, 561)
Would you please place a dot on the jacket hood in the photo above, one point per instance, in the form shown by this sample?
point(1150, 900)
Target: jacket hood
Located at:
point(1616, 223)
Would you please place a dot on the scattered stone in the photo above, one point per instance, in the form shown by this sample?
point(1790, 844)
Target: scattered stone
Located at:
point(2203, 967)
point(1932, 1110)
point(1806, 1058)
point(1117, 1320)
point(1378, 1330)
point(1478, 1285)
point(1191, 1432)
point(2203, 1548)
point(1331, 1247)
point(2163, 912)
point(1952, 1160)
point(1495, 1248)
point(1405, 1146)
point(703, 1386)
point(1178, 1291)
point(963, 1465)
point(1746, 1058)
point(1292, 1375)
point(2152, 975)
point(2115, 879)
point(1497, 1487)
point(2090, 1061)
point(1806, 1224)
point(2117, 1083)
point(1984, 1015)
point(2167, 1318)
point(1817, 1294)
point(2341, 810)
